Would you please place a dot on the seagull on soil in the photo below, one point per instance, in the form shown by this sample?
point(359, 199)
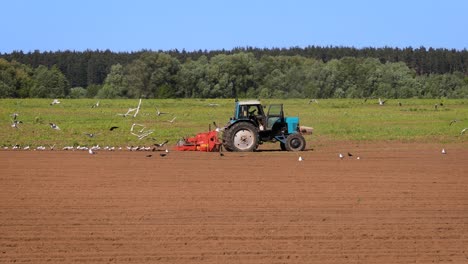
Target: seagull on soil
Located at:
point(443, 151)
point(91, 151)
point(340, 156)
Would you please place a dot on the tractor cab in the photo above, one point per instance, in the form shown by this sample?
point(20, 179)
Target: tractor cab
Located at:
point(253, 111)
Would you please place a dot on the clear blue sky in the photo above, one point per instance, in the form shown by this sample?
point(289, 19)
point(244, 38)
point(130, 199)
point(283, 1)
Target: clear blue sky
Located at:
point(118, 25)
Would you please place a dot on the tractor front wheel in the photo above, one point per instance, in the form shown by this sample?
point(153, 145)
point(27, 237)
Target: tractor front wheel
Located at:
point(241, 137)
point(283, 146)
point(295, 142)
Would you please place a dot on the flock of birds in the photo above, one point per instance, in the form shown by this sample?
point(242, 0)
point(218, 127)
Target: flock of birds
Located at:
point(141, 133)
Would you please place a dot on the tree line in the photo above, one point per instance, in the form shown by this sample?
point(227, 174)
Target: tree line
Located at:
point(318, 72)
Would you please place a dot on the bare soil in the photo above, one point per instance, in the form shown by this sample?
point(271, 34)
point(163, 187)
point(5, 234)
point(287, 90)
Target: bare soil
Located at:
point(398, 203)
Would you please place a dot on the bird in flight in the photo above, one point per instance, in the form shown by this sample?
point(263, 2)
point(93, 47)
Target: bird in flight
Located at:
point(15, 123)
point(382, 102)
point(54, 126)
point(453, 121)
point(112, 128)
point(172, 120)
point(55, 101)
point(159, 112)
point(463, 131)
point(161, 144)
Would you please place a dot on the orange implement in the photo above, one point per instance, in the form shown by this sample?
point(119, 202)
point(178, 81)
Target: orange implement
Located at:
point(207, 142)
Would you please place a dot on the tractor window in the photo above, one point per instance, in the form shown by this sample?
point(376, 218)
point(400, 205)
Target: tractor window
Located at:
point(275, 110)
point(248, 111)
point(275, 115)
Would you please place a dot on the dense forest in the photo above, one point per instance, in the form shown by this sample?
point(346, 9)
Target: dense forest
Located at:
point(311, 72)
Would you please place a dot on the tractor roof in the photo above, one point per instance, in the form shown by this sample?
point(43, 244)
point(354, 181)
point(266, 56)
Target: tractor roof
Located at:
point(249, 102)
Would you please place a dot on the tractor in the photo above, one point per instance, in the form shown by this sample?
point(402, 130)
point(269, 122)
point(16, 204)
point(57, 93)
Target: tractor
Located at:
point(251, 126)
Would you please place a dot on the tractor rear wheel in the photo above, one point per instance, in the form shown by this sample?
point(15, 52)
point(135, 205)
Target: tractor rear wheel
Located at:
point(241, 137)
point(295, 142)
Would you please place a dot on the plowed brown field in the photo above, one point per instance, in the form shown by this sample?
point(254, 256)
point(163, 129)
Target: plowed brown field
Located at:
point(399, 203)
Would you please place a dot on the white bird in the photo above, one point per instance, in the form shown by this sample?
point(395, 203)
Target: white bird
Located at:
point(340, 156)
point(161, 144)
point(96, 147)
point(95, 105)
point(54, 126)
point(382, 102)
point(463, 131)
point(300, 158)
point(443, 151)
point(91, 151)
point(358, 158)
point(91, 134)
point(15, 123)
point(173, 119)
point(159, 112)
point(55, 101)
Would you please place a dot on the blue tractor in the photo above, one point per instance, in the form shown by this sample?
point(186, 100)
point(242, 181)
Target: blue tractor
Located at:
point(251, 126)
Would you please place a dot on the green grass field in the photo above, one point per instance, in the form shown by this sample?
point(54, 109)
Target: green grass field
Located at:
point(416, 120)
